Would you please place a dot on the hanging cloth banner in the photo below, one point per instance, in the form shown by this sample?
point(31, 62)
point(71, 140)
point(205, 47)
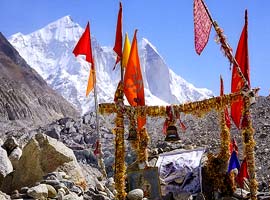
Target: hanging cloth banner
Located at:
point(181, 171)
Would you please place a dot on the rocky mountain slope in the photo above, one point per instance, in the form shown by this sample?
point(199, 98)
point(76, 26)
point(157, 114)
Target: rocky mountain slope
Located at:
point(24, 96)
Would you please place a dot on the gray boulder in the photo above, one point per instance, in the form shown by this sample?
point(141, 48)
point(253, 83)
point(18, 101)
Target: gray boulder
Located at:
point(15, 156)
point(136, 194)
point(38, 192)
point(5, 165)
point(4, 196)
point(43, 155)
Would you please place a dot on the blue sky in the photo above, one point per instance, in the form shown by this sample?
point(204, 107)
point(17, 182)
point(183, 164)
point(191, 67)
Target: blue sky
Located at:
point(168, 25)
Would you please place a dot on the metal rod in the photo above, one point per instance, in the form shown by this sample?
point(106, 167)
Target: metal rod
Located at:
point(100, 159)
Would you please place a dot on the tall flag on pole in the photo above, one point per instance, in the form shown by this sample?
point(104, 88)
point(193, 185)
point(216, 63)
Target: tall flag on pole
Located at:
point(226, 112)
point(202, 25)
point(243, 173)
point(126, 51)
point(118, 37)
point(133, 80)
point(238, 83)
point(83, 47)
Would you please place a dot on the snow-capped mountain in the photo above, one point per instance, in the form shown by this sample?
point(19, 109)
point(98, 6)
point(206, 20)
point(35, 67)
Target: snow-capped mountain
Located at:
point(49, 52)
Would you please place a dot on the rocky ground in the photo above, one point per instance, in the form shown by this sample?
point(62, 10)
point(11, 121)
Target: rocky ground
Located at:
point(79, 135)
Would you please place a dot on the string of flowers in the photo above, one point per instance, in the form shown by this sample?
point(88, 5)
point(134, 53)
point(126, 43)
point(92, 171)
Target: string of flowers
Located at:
point(249, 144)
point(120, 168)
point(142, 154)
point(199, 109)
point(221, 39)
point(217, 165)
point(141, 142)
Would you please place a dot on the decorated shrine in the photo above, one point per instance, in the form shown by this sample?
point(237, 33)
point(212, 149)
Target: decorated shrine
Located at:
point(219, 167)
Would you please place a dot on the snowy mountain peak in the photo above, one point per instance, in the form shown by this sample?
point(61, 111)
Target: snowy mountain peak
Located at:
point(146, 42)
point(49, 52)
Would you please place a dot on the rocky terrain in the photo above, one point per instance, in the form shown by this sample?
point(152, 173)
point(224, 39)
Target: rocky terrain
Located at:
point(24, 95)
point(79, 135)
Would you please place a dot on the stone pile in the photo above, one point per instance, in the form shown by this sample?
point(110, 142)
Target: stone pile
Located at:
point(55, 185)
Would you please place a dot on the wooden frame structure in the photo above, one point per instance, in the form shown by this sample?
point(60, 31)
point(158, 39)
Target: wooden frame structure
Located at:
point(199, 108)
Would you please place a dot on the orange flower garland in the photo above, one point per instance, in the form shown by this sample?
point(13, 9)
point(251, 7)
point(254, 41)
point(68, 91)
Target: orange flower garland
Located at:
point(199, 109)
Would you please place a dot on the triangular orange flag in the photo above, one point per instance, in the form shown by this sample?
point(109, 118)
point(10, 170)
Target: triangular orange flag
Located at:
point(133, 80)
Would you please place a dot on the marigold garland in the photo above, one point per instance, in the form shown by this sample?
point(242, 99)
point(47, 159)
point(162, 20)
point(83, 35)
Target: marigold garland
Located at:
point(249, 144)
point(120, 167)
point(142, 147)
point(199, 109)
point(216, 167)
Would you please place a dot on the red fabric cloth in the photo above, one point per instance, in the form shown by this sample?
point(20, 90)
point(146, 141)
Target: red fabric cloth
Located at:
point(133, 80)
point(202, 26)
point(226, 112)
point(83, 47)
point(243, 173)
point(118, 37)
point(237, 83)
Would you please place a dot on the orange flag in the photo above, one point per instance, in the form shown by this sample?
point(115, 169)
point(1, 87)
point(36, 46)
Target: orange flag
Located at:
point(202, 26)
point(83, 47)
point(226, 112)
point(118, 37)
point(91, 80)
point(237, 82)
point(133, 81)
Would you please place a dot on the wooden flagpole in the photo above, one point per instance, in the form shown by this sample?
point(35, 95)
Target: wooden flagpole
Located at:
point(100, 152)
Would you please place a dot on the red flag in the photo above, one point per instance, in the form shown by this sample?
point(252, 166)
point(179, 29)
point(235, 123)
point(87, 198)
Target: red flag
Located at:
point(241, 57)
point(226, 112)
point(243, 173)
point(202, 25)
point(133, 81)
point(83, 47)
point(118, 37)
